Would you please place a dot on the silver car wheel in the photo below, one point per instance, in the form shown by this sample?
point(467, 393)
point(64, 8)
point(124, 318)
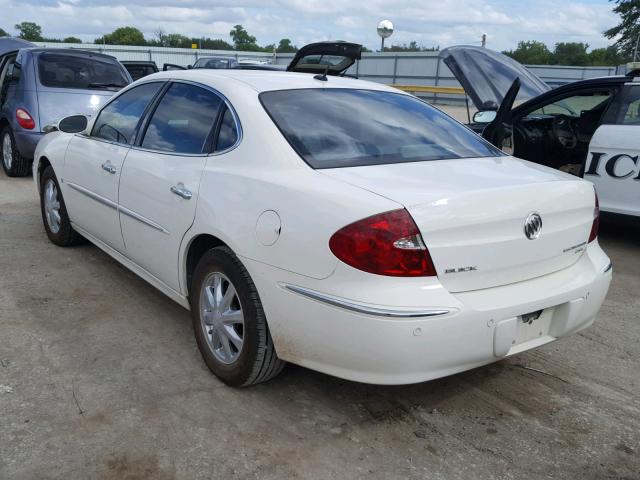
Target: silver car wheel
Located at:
point(52, 206)
point(221, 317)
point(7, 150)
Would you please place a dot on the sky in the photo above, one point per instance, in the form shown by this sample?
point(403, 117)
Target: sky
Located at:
point(429, 22)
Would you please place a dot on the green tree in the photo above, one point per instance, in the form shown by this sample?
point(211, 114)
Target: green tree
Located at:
point(216, 44)
point(571, 53)
point(412, 46)
point(72, 40)
point(608, 56)
point(242, 40)
point(3, 33)
point(29, 31)
point(285, 46)
point(123, 36)
point(628, 30)
point(530, 52)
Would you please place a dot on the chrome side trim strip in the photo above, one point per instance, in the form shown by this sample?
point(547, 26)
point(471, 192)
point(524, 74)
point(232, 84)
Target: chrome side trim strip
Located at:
point(141, 219)
point(362, 308)
point(94, 196)
point(609, 267)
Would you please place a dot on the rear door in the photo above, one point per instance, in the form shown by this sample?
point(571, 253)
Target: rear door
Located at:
point(613, 163)
point(94, 162)
point(333, 58)
point(161, 177)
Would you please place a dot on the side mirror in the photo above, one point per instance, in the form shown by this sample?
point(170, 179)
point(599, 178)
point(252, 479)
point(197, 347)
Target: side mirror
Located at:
point(71, 124)
point(189, 67)
point(13, 73)
point(484, 116)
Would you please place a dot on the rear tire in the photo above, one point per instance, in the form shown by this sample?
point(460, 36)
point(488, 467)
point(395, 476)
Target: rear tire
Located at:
point(14, 164)
point(229, 323)
point(54, 212)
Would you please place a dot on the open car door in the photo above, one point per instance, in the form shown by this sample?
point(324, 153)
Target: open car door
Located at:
point(487, 76)
point(334, 58)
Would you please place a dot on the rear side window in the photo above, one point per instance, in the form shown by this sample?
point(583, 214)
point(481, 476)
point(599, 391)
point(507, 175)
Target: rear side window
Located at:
point(629, 113)
point(63, 70)
point(334, 127)
point(118, 120)
point(228, 134)
point(183, 120)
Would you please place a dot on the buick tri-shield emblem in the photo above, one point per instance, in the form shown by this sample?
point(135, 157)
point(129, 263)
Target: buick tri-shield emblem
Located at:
point(533, 226)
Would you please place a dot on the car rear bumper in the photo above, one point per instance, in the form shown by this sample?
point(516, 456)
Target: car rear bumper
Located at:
point(382, 341)
point(27, 142)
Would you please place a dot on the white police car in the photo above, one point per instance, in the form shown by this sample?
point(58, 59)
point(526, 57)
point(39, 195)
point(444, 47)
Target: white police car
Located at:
point(590, 128)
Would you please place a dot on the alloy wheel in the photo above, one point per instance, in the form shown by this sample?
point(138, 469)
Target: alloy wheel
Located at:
point(52, 206)
point(221, 317)
point(7, 150)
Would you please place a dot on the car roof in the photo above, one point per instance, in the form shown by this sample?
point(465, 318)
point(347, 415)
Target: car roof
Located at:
point(268, 80)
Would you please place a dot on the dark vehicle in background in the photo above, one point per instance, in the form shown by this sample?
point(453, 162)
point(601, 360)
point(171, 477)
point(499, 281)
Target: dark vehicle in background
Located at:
point(140, 68)
point(216, 63)
point(589, 128)
point(39, 86)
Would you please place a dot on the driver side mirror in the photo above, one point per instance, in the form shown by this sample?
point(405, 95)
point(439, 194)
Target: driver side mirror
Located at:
point(484, 116)
point(70, 124)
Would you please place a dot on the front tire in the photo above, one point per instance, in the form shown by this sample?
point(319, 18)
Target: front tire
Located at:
point(54, 212)
point(229, 323)
point(14, 164)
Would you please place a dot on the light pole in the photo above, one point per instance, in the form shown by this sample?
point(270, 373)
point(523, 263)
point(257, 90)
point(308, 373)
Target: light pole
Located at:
point(385, 30)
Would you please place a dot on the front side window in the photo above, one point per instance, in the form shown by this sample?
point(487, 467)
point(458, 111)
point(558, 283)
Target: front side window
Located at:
point(346, 128)
point(629, 113)
point(66, 70)
point(183, 120)
point(575, 105)
point(117, 121)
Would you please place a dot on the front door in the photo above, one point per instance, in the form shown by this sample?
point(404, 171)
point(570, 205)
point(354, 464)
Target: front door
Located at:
point(613, 163)
point(94, 163)
point(161, 177)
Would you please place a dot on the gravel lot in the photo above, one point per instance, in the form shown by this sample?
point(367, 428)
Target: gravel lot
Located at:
point(100, 377)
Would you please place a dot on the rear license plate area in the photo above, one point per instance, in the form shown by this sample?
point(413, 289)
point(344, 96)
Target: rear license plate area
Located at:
point(533, 325)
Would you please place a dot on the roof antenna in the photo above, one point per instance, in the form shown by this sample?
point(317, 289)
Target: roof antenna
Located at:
point(322, 77)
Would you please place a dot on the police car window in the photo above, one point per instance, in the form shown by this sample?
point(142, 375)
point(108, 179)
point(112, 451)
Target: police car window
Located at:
point(118, 120)
point(630, 112)
point(574, 105)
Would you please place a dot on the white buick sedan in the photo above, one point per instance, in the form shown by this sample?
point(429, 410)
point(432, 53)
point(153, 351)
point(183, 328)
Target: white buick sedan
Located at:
point(329, 222)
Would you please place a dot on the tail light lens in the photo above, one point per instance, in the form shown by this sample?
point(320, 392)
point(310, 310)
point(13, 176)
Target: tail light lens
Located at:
point(595, 226)
point(25, 120)
point(385, 244)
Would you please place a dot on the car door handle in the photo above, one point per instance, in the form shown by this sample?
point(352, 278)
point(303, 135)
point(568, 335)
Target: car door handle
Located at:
point(182, 192)
point(107, 167)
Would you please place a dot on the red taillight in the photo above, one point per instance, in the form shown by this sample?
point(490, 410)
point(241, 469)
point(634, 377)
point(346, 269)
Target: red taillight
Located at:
point(24, 119)
point(384, 244)
point(596, 221)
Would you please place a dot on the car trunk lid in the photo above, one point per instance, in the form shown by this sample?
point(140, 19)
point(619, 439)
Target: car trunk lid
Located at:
point(486, 75)
point(333, 58)
point(472, 212)
point(57, 103)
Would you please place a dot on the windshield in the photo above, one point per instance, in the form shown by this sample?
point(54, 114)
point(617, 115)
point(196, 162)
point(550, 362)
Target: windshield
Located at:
point(214, 63)
point(61, 70)
point(346, 128)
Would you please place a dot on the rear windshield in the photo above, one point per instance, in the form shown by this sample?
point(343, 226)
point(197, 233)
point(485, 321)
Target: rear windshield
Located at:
point(61, 70)
point(332, 128)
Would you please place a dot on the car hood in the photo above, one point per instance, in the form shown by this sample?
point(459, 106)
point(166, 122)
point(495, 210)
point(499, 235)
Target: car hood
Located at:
point(332, 57)
point(55, 104)
point(8, 44)
point(486, 75)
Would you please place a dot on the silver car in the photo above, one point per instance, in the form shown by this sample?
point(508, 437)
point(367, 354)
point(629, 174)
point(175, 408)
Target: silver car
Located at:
point(38, 86)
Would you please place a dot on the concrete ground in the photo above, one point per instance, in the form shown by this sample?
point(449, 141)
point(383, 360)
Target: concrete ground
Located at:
point(100, 377)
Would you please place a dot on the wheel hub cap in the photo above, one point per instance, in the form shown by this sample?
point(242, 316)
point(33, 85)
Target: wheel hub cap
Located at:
point(52, 206)
point(221, 317)
point(7, 150)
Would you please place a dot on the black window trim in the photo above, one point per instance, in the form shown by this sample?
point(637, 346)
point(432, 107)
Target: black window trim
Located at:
point(137, 127)
point(211, 140)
